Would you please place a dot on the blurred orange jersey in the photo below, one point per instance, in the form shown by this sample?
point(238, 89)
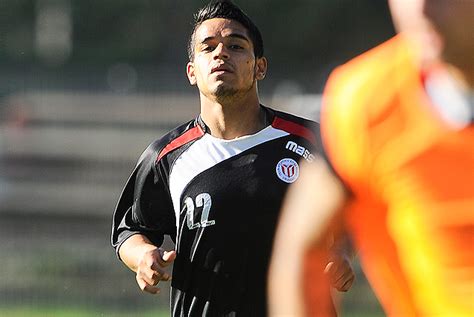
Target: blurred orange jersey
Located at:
point(412, 179)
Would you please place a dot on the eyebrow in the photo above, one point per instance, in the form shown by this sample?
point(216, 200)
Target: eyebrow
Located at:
point(232, 35)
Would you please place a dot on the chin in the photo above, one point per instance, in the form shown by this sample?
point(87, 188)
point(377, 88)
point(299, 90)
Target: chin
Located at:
point(223, 91)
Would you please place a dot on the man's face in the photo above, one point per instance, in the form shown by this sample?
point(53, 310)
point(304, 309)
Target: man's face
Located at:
point(224, 63)
point(454, 21)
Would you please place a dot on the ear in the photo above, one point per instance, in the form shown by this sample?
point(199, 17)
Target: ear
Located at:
point(261, 65)
point(190, 73)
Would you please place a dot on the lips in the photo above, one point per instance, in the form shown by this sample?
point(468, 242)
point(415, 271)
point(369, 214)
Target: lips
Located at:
point(221, 68)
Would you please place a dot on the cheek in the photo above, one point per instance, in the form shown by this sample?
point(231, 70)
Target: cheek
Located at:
point(250, 66)
point(200, 70)
point(251, 71)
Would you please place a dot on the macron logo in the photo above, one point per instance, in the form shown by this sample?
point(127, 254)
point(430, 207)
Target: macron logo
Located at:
point(300, 150)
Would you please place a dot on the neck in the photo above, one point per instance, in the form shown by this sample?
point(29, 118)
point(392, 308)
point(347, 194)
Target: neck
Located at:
point(230, 119)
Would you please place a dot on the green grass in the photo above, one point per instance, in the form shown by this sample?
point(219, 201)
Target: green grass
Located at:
point(90, 312)
point(75, 312)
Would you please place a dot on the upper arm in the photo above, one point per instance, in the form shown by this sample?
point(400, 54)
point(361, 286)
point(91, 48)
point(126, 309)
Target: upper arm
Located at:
point(144, 206)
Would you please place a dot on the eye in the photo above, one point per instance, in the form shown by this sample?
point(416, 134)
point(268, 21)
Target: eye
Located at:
point(235, 47)
point(207, 48)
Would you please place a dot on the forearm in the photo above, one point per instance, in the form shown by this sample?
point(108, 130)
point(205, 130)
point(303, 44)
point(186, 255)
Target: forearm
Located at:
point(311, 206)
point(133, 249)
point(286, 276)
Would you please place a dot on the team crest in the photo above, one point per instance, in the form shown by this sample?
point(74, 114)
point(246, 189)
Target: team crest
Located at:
point(287, 170)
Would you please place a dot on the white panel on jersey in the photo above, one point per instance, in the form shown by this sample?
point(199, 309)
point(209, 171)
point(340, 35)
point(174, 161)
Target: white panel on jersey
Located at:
point(453, 102)
point(208, 151)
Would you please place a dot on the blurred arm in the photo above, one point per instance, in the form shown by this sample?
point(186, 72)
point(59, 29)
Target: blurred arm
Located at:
point(310, 208)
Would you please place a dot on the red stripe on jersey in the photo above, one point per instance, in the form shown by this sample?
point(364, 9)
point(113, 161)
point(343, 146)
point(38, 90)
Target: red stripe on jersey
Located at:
point(294, 128)
point(184, 138)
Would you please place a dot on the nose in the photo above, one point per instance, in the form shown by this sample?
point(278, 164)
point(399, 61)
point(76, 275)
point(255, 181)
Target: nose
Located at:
point(221, 52)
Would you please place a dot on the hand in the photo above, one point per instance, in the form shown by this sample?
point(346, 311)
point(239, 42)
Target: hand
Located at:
point(340, 273)
point(151, 271)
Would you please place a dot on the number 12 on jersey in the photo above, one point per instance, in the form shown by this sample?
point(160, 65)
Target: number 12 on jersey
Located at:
point(202, 200)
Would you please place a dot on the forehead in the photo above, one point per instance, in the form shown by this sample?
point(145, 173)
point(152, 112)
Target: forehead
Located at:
point(219, 27)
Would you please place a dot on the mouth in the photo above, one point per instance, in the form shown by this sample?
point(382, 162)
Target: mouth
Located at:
point(221, 69)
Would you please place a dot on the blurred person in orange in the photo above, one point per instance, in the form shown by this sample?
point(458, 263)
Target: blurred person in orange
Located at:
point(398, 134)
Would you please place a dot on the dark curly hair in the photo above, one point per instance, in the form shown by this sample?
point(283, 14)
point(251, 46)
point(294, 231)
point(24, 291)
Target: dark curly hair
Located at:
point(228, 10)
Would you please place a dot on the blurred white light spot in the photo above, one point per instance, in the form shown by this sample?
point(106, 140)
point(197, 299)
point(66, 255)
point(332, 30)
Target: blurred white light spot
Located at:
point(289, 94)
point(53, 40)
point(287, 88)
point(122, 78)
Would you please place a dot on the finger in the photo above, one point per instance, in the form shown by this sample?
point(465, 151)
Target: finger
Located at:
point(344, 287)
point(157, 273)
point(145, 287)
point(338, 269)
point(329, 268)
point(152, 289)
point(339, 273)
point(334, 272)
point(164, 276)
point(167, 257)
point(158, 270)
point(154, 274)
point(149, 276)
point(347, 286)
point(343, 281)
point(339, 284)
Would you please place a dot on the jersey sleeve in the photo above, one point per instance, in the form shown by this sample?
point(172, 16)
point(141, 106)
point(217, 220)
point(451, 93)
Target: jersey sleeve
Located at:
point(145, 205)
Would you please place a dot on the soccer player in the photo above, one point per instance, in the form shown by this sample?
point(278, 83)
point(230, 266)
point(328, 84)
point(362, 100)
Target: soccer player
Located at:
point(397, 129)
point(216, 183)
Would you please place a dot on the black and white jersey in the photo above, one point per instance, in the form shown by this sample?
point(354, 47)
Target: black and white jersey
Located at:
point(219, 201)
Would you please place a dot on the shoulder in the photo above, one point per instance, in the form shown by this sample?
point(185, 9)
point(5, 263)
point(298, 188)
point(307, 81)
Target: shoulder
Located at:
point(172, 140)
point(359, 98)
point(360, 93)
point(371, 79)
point(293, 118)
point(295, 125)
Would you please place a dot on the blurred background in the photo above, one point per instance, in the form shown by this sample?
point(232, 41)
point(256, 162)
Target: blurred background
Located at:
point(85, 86)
